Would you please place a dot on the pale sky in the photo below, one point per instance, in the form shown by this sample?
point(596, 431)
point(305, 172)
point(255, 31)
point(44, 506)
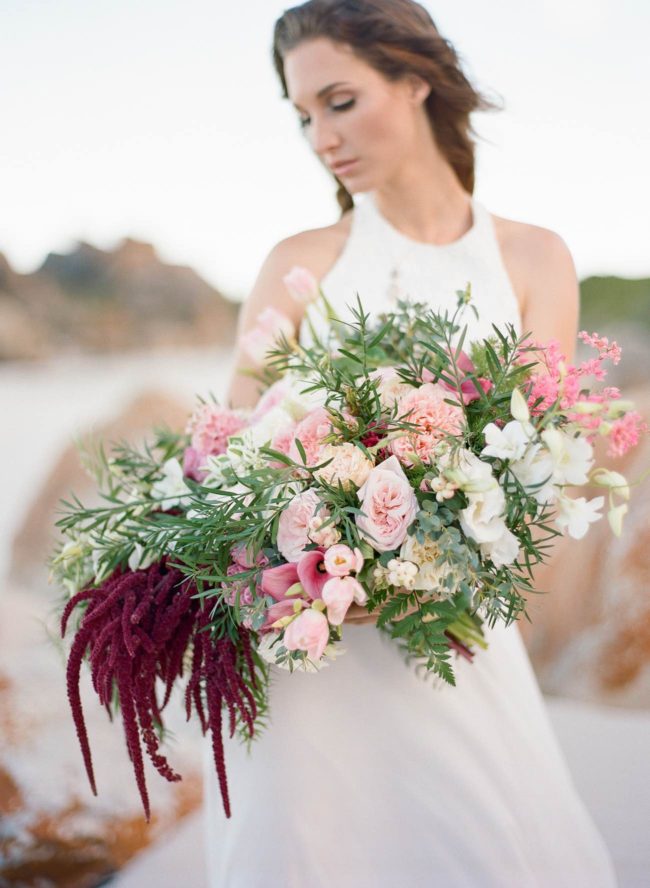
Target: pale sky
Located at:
point(163, 121)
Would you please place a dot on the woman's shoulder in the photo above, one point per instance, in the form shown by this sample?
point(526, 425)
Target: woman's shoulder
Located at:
point(533, 256)
point(315, 248)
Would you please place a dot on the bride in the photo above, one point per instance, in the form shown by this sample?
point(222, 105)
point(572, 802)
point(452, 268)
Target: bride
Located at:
point(369, 775)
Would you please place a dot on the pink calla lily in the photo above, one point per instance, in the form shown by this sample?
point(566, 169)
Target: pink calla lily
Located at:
point(276, 580)
point(312, 573)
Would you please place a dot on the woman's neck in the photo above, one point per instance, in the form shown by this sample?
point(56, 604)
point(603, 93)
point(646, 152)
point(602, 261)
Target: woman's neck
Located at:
point(425, 200)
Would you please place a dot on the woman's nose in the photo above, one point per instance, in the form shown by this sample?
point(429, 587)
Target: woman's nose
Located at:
point(324, 138)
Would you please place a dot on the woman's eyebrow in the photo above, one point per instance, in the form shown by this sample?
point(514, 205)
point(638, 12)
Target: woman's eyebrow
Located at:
point(326, 89)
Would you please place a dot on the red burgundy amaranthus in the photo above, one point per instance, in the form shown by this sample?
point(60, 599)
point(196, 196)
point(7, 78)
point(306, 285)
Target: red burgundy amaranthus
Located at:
point(136, 628)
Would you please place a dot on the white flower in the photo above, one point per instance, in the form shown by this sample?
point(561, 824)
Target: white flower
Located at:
point(615, 518)
point(217, 468)
point(465, 469)
point(137, 562)
point(296, 401)
point(482, 519)
point(504, 550)
point(572, 457)
point(510, 442)
point(518, 406)
point(535, 467)
point(575, 515)
point(171, 488)
point(430, 576)
point(402, 573)
point(275, 420)
point(616, 482)
point(348, 465)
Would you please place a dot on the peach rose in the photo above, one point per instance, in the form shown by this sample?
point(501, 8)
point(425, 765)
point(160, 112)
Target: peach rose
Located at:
point(310, 431)
point(349, 465)
point(389, 506)
point(293, 525)
point(425, 407)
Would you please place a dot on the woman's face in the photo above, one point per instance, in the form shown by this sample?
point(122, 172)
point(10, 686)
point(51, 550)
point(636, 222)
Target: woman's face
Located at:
point(350, 112)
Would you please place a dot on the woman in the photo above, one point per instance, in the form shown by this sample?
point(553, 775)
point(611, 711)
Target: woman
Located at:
point(368, 776)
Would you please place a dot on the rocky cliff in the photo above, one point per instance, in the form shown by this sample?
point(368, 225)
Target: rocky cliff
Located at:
point(93, 300)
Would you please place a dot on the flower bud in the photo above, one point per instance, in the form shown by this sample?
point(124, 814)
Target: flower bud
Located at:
point(615, 518)
point(518, 406)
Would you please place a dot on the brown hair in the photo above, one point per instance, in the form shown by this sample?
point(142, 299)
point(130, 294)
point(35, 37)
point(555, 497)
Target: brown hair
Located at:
point(396, 37)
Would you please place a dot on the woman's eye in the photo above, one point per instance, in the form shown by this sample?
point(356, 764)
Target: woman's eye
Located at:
point(344, 106)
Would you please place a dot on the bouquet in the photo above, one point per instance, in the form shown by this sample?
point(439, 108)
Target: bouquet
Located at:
point(391, 464)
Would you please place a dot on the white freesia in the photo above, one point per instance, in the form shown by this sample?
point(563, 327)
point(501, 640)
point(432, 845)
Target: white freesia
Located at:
point(572, 457)
point(518, 406)
point(615, 518)
point(171, 488)
point(535, 467)
point(616, 482)
point(575, 515)
point(510, 442)
point(465, 469)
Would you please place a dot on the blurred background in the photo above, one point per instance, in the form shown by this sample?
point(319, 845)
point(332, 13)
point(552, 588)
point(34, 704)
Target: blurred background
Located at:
point(147, 166)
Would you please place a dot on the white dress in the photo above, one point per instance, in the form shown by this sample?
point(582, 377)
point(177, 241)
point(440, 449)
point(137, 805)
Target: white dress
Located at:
point(372, 774)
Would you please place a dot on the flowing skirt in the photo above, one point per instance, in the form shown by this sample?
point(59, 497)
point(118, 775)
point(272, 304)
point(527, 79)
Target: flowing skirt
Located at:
point(373, 774)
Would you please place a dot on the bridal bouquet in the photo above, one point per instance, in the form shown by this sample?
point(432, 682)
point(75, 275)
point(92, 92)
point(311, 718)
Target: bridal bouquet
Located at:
point(389, 465)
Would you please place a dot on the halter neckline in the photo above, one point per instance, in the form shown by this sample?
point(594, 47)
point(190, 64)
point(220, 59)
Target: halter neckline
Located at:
point(426, 245)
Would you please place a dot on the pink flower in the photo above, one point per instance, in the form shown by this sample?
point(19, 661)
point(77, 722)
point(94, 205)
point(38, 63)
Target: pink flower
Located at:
point(388, 504)
point(310, 431)
point(308, 632)
point(238, 584)
point(348, 465)
point(277, 580)
point(293, 526)
point(312, 573)
point(338, 595)
point(624, 433)
point(192, 462)
point(390, 387)
point(426, 408)
point(340, 560)
point(210, 427)
point(257, 341)
point(301, 284)
point(276, 612)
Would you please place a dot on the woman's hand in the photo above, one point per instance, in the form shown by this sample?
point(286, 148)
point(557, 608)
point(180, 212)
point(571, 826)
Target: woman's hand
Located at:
point(358, 614)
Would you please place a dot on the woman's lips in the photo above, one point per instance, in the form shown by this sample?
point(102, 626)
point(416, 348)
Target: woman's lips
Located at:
point(342, 169)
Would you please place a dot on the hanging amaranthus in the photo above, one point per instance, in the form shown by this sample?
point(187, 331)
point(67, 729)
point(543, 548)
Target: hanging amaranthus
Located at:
point(136, 629)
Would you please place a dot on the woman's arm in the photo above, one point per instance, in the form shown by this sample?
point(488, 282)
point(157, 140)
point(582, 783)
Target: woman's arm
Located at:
point(268, 291)
point(552, 296)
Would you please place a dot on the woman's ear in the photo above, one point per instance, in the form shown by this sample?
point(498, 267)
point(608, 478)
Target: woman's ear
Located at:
point(419, 89)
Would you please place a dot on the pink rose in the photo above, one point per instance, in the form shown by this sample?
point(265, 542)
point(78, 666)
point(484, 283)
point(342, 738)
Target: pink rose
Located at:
point(391, 385)
point(257, 341)
point(310, 431)
point(340, 560)
point(388, 504)
point(426, 408)
point(301, 284)
point(348, 465)
point(338, 595)
point(308, 632)
point(293, 525)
